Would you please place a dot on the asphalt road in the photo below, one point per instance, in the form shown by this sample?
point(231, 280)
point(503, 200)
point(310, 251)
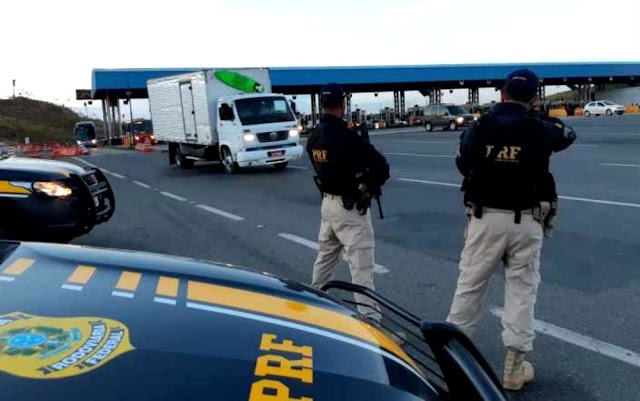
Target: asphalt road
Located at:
point(589, 301)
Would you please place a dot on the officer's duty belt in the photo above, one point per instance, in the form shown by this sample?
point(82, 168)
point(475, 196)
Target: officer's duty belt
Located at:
point(505, 211)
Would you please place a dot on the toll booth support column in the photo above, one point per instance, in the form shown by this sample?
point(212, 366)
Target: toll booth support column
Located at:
point(105, 120)
point(348, 107)
point(396, 104)
point(542, 93)
point(474, 98)
point(402, 105)
point(314, 109)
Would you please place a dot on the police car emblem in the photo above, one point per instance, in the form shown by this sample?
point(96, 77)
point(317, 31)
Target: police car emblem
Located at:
point(39, 347)
point(273, 135)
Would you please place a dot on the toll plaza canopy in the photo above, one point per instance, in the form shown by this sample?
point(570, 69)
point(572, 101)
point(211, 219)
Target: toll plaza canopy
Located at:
point(124, 83)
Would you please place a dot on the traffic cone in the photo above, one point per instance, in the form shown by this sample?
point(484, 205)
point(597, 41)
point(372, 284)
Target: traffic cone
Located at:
point(146, 146)
point(81, 150)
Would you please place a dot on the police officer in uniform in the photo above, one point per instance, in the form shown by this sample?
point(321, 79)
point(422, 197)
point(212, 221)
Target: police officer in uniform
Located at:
point(342, 159)
point(510, 198)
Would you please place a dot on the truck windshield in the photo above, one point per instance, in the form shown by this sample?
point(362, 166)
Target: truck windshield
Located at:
point(262, 110)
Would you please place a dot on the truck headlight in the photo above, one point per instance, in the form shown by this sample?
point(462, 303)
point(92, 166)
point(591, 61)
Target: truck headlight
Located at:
point(249, 137)
point(294, 133)
point(93, 141)
point(459, 120)
point(52, 188)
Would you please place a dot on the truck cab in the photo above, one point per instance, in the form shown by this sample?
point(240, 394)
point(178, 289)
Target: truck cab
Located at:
point(257, 130)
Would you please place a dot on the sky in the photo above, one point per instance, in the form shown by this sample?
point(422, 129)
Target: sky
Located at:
point(50, 47)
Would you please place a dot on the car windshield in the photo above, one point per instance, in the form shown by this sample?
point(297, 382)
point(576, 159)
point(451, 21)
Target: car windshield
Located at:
point(262, 110)
point(455, 110)
point(608, 103)
point(85, 132)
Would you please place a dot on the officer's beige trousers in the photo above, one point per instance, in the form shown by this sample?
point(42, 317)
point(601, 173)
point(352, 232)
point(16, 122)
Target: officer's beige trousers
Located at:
point(490, 239)
point(346, 229)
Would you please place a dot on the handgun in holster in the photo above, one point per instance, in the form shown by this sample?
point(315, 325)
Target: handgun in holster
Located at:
point(545, 213)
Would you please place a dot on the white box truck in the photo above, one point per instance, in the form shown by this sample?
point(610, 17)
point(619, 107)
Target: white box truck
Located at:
point(224, 115)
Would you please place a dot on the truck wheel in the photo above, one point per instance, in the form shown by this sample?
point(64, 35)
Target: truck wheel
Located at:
point(230, 166)
point(428, 127)
point(280, 166)
point(452, 126)
point(182, 161)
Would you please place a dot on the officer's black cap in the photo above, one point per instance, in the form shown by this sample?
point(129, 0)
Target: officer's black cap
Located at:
point(521, 85)
point(332, 95)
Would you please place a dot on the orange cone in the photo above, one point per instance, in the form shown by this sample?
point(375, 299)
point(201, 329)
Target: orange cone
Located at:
point(146, 146)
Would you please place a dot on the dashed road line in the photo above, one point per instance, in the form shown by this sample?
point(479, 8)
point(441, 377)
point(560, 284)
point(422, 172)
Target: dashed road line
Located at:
point(116, 175)
point(413, 180)
point(620, 165)
point(379, 269)
point(420, 155)
point(571, 198)
point(582, 341)
point(219, 212)
point(7, 279)
point(142, 184)
point(173, 196)
point(86, 162)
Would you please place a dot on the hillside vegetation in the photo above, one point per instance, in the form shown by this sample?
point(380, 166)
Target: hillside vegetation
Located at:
point(40, 121)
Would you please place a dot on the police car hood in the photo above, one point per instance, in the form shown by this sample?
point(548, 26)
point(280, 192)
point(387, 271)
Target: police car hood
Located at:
point(78, 322)
point(40, 165)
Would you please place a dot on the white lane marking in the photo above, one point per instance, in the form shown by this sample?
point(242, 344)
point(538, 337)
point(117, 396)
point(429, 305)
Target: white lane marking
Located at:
point(122, 294)
point(142, 184)
point(444, 184)
point(306, 328)
point(116, 174)
point(600, 201)
point(418, 141)
point(584, 145)
point(379, 269)
point(580, 340)
point(72, 287)
point(173, 196)
point(419, 155)
point(620, 165)
point(298, 168)
point(165, 301)
point(571, 198)
point(219, 212)
point(85, 162)
point(8, 279)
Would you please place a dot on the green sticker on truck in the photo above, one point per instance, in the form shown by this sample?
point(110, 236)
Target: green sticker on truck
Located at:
point(239, 81)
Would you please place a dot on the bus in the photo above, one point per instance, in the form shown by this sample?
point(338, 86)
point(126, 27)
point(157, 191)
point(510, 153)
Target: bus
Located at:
point(85, 133)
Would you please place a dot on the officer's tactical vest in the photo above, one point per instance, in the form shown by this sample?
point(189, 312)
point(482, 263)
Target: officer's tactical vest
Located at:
point(509, 165)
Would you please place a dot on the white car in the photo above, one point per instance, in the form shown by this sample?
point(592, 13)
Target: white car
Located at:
point(602, 107)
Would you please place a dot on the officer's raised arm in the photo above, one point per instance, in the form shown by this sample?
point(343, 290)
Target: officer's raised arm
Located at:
point(560, 135)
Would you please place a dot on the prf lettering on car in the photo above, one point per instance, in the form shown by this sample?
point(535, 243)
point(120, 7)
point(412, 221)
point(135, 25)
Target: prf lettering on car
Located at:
point(506, 154)
point(273, 366)
point(319, 155)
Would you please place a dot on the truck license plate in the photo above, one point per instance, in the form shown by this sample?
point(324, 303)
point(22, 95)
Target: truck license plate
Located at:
point(276, 153)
